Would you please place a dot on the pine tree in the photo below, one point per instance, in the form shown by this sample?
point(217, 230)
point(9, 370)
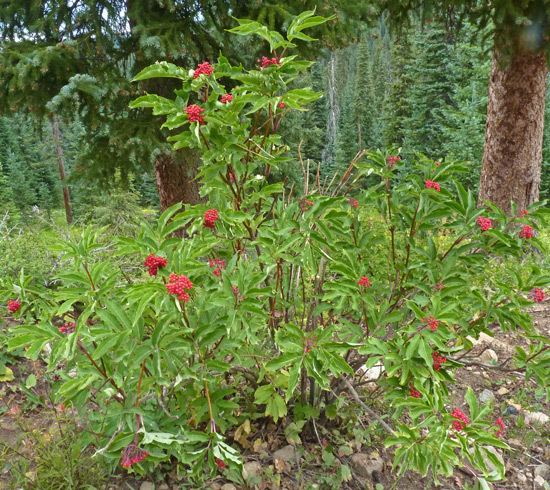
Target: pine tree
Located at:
point(428, 94)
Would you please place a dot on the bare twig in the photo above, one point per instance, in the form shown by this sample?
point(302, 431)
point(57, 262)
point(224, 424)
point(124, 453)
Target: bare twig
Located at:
point(365, 407)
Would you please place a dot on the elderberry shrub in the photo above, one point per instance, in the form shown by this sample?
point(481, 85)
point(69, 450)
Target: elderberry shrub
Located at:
point(270, 300)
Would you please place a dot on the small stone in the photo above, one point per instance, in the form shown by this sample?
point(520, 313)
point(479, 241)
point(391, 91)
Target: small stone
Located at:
point(372, 373)
point(164, 486)
point(228, 486)
point(147, 485)
point(543, 470)
point(535, 418)
point(539, 483)
point(251, 470)
point(365, 465)
point(286, 454)
point(503, 391)
point(511, 410)
point(489, 356)
point(486, 396)
point(521, 478)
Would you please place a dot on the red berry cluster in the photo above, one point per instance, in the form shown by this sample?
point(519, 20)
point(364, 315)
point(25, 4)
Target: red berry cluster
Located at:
point(364, 282)
point(226, 98)
point(537, 294)
point(194, 113)
point(178, 285)
point(523, 213)
point(204, 68)
point(154, 263)
point(438, 360)
point(501, 426)
point(354, 203)
point(13, 305)
point(210, 218)
point(439, 286)
point(432, 322)
point(220, 463)
point(281, 105)
point(527, 232)
point(264, 61)
point(218, 265)
point(131, 455)
point(392, 160)
point(461, 419)
point(415, 393)
point(67, 328)
point(484, 223)
point(431, 184)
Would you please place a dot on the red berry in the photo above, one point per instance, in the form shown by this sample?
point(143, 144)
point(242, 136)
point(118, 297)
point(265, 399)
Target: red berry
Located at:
point(204, 68)
point(226, 98)
point(131, 455)
point(538, 295)
point(67, 328)
point(354, 203)
point(364, 282)
point(392, 160)
point(154, 262)
point(527, 232)
point(178, 285)
point(210, 218)
point(461, 419)
point(501, 426)
point(415, 393)
point(430, 184)
point(194, 113)
point(432, 322)
point(13, 305)
point(265, 62)
point(438, 360)
point(484, 223)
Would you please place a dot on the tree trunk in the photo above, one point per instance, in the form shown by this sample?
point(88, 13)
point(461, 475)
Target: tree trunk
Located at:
point(61, 167)
point(176, 178)
point(512, 156)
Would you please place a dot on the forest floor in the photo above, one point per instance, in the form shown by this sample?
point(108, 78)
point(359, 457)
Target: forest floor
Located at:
point(28, 423)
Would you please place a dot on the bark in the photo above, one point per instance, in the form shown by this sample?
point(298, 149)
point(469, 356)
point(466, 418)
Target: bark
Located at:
point(512, 156)
point(56, 132)
point(176, 178)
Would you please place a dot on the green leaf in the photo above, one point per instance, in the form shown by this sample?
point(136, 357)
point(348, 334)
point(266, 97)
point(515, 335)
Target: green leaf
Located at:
point(162, 69)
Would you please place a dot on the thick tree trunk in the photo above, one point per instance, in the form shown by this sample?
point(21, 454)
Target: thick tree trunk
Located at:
point(512, 156)
point(176, 173)
point(61, 167)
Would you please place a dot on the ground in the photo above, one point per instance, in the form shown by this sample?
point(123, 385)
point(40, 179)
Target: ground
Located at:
point(29, 423)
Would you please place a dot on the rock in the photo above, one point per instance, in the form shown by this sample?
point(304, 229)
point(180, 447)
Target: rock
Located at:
point(486, 396)
point(503, 391)
point(147, 485)
point(543, 470)
point(286, 454)
point(372, 373)
point(521, 477)
point(228, 486)
point(251, 470)
point(511, 410)
point(536, 418)
point(539, 483)
point(488, 356)
point(365, 465)
point(163, 486)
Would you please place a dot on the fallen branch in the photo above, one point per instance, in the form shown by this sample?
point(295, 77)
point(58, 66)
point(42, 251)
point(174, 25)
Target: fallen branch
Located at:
point(365, 407)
